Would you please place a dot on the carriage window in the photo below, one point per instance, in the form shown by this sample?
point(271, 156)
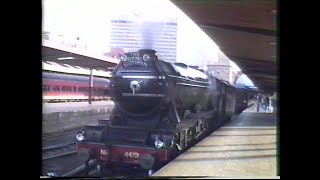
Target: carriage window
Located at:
point(223, 89)
point(66, 89)
point(45, 88)
point(83, 89)
point(55, 88)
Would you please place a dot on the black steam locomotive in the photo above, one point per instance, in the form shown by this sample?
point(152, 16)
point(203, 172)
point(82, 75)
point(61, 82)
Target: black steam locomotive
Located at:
point(160, 108)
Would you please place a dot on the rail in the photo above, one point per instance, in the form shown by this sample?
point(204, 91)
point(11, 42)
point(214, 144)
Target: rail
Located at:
point(58, 150)
point(77, 171)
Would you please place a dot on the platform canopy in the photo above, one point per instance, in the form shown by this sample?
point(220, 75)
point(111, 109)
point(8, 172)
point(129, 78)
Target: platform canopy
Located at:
point(245, 30)
point(74, 58)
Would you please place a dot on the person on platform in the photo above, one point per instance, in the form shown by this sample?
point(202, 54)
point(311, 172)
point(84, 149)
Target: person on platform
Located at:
point(259, 102)
point(266, 102)
point(271, 104)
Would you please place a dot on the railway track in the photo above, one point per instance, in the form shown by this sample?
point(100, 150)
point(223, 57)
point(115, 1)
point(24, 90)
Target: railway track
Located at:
point(59, 150)
point(57, 145)
point(93, 172)
point(79, 171)
point(66, 148)
point(48, 137)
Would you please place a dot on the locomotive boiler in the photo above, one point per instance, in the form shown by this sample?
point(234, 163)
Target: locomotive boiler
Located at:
point(155, 94)
point(160, 108)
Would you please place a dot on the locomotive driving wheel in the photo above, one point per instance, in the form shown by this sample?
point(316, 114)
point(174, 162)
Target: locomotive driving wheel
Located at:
point(181, 140)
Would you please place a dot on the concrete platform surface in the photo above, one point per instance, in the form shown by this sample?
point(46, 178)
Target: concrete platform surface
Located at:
point(244, 147)
point(74, 106)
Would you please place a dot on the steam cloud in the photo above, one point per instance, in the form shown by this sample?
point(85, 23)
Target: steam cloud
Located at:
point(150, 32)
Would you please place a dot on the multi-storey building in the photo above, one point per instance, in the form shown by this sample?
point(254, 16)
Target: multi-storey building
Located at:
point(132, 34)
point(222, 69)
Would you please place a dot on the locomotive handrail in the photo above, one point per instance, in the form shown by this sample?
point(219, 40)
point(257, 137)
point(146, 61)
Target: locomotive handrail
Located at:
point(134, 71)
point(144, 77)
point(175, 111)
point(183, 78)
point(193, 85)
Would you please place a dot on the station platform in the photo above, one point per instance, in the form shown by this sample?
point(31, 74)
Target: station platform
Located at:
point(62, 117)
point(74, 106)
point(244, 147)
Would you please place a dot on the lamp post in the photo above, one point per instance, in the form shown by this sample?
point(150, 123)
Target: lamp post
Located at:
point(90, 86)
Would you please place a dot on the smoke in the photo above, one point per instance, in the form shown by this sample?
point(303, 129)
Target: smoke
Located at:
point(151, 31)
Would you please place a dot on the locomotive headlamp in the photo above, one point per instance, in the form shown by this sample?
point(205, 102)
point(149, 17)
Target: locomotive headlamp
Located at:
point(158, 143)
point(80, 135)
point(146, 57)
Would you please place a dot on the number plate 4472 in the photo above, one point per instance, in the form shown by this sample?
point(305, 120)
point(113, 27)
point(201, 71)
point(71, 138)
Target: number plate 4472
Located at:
point(134, 155)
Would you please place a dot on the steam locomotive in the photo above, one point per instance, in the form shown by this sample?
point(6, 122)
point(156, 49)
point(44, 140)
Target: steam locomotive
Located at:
point(160, 109)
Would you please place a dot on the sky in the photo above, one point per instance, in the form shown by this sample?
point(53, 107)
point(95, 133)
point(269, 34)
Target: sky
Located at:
point(243, 79)
point(89, 20)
